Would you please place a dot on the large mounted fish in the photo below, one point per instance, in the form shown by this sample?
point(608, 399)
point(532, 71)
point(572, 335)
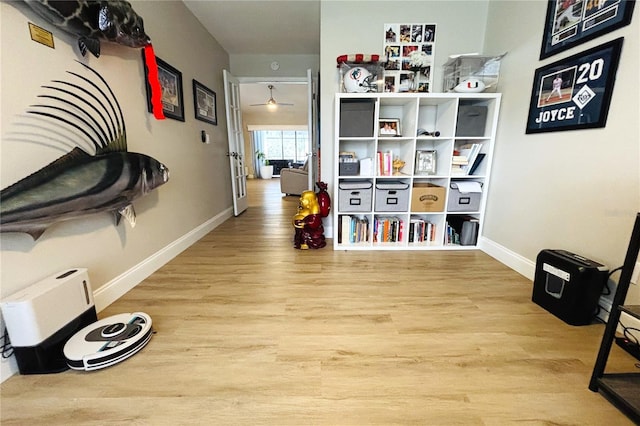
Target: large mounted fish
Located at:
point(93, 20)
point(80, 183)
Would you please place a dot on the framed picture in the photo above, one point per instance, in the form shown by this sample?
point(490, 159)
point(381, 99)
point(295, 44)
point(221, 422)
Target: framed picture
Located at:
point(171, 85)
point(575, 92)
point(570, 23)
point(409, 50)
point(425, 163)
point(204, 103)
point(389, 127)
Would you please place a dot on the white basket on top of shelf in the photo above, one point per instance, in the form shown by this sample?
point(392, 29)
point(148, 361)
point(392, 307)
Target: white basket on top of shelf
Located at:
point(481, 70)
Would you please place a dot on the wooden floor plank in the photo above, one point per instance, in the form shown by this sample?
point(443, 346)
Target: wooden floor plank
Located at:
point(250, 331)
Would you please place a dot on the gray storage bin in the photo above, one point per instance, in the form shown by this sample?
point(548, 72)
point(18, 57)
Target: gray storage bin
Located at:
point(472, 120)
point(356, 117)
point(355, 196)
point(349, 169)
point(392, 196)
point(463, 201)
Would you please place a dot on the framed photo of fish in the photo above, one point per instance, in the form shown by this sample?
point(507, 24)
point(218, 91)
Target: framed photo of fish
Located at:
point(172, 92)
point(570, 23)
point(204, 103)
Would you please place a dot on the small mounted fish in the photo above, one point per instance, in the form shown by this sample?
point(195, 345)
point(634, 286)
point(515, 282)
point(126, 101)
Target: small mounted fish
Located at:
point(79, 183)
point(91, 20)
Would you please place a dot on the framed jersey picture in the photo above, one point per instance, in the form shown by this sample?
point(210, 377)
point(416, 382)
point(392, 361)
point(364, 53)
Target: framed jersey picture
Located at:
point(571, 22)
point(575, 92)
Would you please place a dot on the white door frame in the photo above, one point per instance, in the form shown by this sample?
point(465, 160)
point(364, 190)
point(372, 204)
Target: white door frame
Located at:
point(312, 154)
point(235, 137)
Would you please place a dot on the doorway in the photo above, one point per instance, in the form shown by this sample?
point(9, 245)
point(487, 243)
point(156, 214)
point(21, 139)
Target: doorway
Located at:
point(294, 111)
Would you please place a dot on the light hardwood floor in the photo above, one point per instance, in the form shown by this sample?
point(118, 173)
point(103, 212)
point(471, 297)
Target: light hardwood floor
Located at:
point(251, 331)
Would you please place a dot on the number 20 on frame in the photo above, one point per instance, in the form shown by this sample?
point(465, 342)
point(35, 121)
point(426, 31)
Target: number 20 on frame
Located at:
point(575, 92)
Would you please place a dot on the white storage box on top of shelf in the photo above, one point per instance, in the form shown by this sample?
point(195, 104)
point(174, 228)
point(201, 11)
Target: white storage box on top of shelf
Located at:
point(435, 198)
point(471, 73)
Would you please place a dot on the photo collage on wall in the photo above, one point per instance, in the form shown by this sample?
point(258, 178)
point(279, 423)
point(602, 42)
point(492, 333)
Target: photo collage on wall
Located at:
point(409, 52)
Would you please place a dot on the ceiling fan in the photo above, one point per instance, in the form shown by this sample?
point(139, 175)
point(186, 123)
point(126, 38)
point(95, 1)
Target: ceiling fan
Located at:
point(272, 102)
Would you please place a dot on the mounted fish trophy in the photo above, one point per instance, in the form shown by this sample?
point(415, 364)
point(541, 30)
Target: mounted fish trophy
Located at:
point(80, 183)
point(114, 21)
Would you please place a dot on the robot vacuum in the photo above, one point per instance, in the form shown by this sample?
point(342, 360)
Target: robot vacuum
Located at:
point(108, 341)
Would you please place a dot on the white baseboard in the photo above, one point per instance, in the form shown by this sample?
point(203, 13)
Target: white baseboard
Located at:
point(513, 260)
point(117, 287)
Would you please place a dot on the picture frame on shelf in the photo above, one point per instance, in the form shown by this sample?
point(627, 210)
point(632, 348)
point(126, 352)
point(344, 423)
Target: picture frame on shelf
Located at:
point(172, 92)
point(204, 103)
point(569, 24)
point(575, 92)
point(426, 162)
point(389, 127)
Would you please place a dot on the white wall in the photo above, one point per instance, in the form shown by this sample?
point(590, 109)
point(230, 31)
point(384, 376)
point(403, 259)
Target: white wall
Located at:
point(252, 65)
point(576, 190)
point(198, 193)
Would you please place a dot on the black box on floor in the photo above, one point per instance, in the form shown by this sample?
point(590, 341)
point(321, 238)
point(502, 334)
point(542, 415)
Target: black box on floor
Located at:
point(568, 285)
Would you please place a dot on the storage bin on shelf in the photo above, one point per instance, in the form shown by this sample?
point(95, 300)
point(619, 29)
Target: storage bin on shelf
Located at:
point(355, 196)
point(464, 196)
point(392, 196)
point(427, 197)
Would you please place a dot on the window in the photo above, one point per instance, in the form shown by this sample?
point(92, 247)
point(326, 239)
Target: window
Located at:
point(285, 145)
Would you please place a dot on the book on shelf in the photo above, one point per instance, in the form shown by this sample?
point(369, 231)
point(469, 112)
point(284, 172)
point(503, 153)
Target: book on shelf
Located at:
point(471, 152)
point(452, 237)
point(476, 163)
point(460, 160)
point(456, 170)
point(421, 231)
point(387, 229)
point(385, 163)
point(353, 229)
point(366, 166)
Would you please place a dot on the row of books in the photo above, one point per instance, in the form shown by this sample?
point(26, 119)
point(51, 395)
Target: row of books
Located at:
point(353, 229)
point(387, 229)
point(390, 229)
point(421, 230)
point(466, 160)
point(384, 163)
point(452, 237)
